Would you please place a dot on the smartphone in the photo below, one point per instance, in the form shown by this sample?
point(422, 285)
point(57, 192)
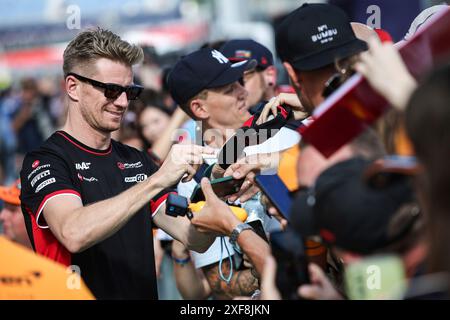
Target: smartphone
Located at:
point(375, 278)
point(222, 187)
point(292, 266)
point(208, 171)
point(277, 192)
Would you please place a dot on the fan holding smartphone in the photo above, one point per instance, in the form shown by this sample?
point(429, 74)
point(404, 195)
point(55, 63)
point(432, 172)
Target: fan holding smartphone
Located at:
point(287, 246)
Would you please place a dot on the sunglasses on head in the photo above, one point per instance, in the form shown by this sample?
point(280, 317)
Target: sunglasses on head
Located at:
point(112, 90)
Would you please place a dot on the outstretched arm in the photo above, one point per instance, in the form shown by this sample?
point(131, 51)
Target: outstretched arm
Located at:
point(79, 227)
point(217, 217)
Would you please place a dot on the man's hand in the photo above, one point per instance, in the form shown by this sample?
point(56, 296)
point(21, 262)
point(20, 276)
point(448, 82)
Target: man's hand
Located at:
point(274, 212)
point(290, 99)
point(249, 167)
point(215, 216)
point(320, 287)
point(181, 160)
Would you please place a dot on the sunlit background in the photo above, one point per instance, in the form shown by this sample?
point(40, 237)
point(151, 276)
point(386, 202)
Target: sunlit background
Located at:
point(33, 33)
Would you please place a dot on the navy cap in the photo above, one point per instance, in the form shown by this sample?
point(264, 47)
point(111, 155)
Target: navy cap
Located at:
point(203, 69)
point(316, 35)
point(243, 49)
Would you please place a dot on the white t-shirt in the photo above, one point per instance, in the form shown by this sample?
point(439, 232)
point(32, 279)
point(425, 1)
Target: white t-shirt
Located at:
point(212, 255)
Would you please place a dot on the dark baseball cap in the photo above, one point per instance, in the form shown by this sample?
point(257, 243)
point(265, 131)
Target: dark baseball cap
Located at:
point(243, 49)
point(316, 35)
point(203, 69)
point(348, 213)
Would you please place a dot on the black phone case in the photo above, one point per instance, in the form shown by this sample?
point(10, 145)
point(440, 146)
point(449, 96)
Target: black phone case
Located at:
point(221, 188)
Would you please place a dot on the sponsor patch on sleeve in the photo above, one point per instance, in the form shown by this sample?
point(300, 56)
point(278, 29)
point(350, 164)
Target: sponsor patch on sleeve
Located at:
point(44, 184)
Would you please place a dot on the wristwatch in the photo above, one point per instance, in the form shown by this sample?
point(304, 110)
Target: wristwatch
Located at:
point(237, 231)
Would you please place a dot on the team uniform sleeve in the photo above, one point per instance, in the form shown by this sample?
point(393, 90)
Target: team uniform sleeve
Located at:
point(45, 175)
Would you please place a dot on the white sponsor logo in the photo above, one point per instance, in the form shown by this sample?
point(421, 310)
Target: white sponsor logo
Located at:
point(90, 179)
point(37, 169)
point(137, 178)
point(44, 184)
point(219, 56)
point(82, 166)
point(325, 35)
point(123, 166)
point(39, 177)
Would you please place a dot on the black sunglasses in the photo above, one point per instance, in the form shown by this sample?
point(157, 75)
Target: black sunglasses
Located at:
point(112, 90)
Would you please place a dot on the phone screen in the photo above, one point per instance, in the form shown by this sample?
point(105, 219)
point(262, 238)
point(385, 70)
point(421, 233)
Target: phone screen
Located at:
point(222, 187)
point(277, 192)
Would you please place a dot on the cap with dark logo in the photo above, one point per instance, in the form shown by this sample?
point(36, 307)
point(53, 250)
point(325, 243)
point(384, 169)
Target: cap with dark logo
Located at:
point(316, 35)
point(203, 69)
point(243, 49)
point(347, 212)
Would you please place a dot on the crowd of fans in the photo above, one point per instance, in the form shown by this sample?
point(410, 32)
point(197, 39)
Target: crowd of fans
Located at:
point(380, 200)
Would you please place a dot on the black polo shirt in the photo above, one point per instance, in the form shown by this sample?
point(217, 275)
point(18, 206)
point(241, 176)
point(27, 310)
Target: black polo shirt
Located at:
point(121, 266)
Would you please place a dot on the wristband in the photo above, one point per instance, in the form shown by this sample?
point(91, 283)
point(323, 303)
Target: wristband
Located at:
point(181, 262)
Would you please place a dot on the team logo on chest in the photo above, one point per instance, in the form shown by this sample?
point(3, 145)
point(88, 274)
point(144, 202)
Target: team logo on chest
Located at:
point(82, 166)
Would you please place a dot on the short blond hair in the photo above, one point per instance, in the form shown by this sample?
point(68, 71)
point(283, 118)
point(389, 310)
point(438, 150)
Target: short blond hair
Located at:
point(93, 44)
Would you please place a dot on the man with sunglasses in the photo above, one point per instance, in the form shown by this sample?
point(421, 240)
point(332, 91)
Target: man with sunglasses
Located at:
point(90, 201)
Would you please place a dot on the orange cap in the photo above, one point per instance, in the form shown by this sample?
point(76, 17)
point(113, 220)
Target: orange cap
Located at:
point(11, 194)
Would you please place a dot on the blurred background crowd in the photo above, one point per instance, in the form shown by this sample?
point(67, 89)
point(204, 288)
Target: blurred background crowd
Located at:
point(34, 34)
